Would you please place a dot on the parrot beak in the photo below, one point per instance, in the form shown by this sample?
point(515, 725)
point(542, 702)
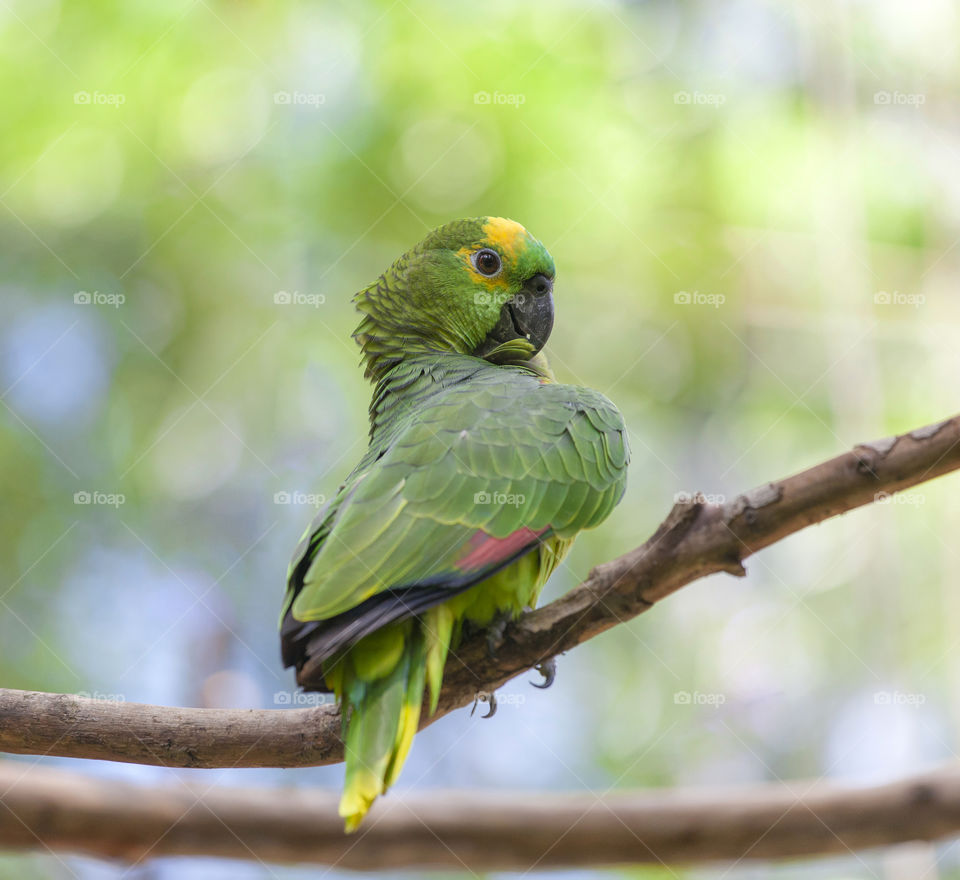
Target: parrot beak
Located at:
point(528, 316)
point(532, 310)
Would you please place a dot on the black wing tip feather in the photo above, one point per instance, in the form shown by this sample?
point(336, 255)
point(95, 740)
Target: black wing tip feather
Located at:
point(319, 640)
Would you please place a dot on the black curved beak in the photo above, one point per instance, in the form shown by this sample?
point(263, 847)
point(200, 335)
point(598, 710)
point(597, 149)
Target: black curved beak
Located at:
point(532, 310)
point(527, 315)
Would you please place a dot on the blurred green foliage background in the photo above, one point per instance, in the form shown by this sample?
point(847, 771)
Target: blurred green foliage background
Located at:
point(754, 210)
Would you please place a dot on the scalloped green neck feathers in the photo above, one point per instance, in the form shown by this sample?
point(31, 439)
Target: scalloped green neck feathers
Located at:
point(434, 299)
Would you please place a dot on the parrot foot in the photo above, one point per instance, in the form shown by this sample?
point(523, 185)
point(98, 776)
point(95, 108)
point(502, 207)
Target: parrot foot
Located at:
point(486, 697)
point(495, 632)
point(548, 669)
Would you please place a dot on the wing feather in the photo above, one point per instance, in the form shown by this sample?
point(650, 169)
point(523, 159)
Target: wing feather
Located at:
point(478, 473)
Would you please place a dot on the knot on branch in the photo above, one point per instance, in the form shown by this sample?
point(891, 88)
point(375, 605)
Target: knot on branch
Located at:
point(747, 504)
point(870, 455)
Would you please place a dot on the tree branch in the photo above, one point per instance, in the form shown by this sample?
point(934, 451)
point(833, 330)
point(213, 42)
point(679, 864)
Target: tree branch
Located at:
point(695, 540)
point(485, 831)
point(58, 810)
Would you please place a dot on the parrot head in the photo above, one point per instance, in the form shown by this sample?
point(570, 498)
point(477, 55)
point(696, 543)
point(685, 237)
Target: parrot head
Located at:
point(482, 287)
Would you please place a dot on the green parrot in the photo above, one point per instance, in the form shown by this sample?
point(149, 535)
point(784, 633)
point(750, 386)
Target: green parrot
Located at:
point(480, 471)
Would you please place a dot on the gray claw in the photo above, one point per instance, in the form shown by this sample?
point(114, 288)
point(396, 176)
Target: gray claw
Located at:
point(495, 632)
point(485, 697)
point(548, 669)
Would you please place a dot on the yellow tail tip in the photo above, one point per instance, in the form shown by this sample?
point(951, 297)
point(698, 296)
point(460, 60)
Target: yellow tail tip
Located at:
point(352, 823)
point(353, 808)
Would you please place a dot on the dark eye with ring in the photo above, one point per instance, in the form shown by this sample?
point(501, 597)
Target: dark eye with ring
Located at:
point(487, 262)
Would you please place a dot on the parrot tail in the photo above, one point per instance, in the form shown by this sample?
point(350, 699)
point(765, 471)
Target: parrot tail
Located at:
point(381, 691)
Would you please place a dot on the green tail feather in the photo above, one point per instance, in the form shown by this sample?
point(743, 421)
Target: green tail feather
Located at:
point(381, 716)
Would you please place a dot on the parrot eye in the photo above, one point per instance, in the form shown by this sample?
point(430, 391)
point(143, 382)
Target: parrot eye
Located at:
point(487, 262)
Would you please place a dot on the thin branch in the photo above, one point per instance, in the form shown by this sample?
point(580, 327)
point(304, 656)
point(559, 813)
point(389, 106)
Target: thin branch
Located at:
point(695, 540)
point(485, 831)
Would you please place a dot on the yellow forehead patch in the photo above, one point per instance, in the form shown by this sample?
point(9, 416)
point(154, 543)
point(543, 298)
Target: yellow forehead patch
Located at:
point(505, 234)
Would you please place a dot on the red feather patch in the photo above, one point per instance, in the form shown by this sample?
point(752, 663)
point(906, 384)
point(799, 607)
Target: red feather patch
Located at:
point(485, 551)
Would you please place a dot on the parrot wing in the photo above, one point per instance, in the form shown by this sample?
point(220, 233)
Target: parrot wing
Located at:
point(479, 475)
